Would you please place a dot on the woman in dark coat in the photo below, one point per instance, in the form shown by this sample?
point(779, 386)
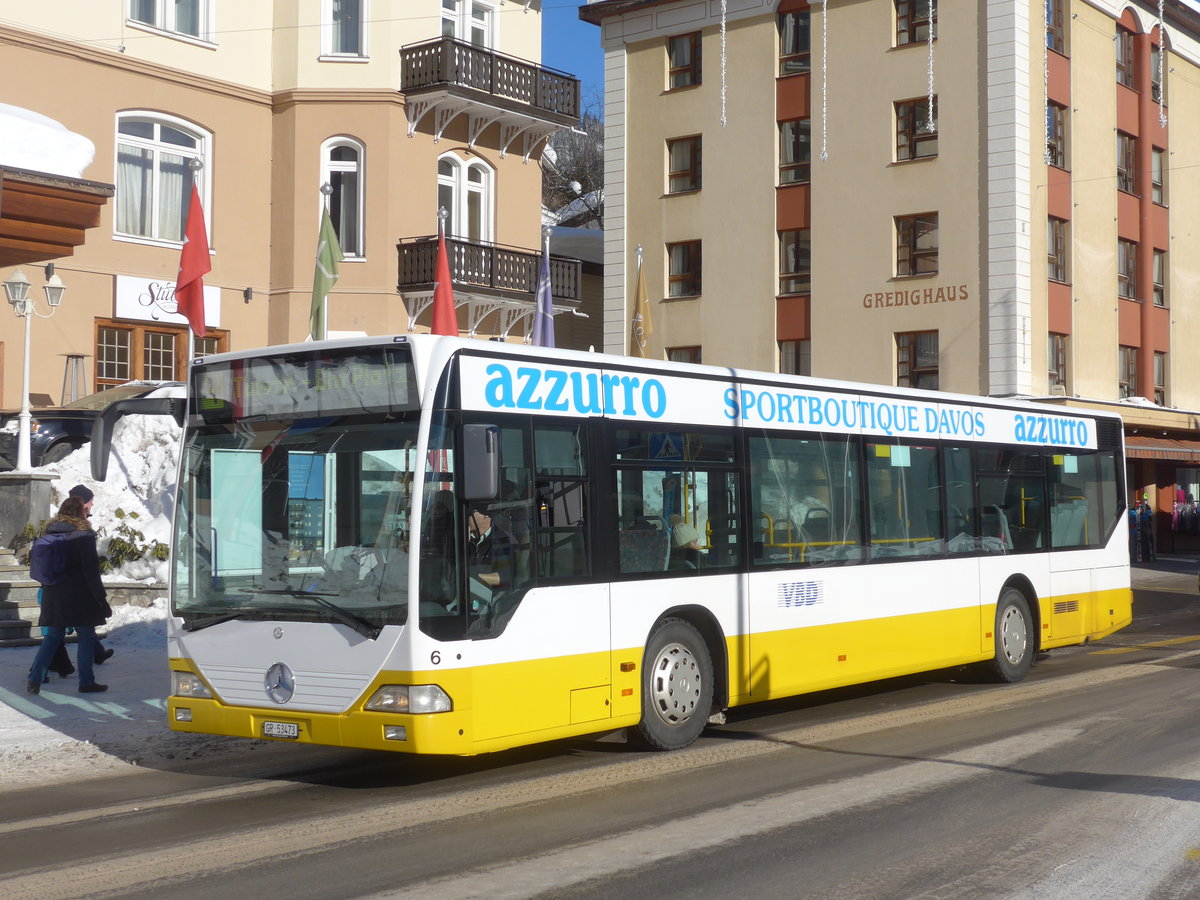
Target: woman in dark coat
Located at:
point(79, 601)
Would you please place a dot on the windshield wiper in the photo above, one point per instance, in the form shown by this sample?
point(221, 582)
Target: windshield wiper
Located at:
point(358, 623)
point(197, 624)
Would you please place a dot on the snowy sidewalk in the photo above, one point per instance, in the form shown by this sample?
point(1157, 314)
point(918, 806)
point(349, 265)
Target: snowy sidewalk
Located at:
point(61, 734)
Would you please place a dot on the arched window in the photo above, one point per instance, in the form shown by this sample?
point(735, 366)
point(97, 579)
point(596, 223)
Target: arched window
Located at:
point(156, 166)
point(342, 160)
point(466, 191)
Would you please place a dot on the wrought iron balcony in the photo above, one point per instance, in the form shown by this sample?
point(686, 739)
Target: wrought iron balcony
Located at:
point(486, 278)
point(448, 77)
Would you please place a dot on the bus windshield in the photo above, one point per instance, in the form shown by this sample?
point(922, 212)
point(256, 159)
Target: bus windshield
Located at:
point(302, 520)
point(293, 495)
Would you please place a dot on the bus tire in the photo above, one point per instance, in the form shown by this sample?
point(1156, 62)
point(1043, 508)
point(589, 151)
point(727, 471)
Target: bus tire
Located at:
point(677, 686)
point(1014, 636)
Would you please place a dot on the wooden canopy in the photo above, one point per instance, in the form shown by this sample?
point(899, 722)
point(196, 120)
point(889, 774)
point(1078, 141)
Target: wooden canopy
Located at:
point(44, 217)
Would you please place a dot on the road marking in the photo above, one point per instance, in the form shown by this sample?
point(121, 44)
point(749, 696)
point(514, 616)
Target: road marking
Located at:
point(569, 866)
point(1149, 645)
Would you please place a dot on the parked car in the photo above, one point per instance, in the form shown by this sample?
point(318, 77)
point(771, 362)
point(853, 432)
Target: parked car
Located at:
point(56, 431)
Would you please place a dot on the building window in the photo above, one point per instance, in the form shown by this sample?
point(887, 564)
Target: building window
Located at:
point(1124, 47)
point(1126, 269)
point(343, 30)
point(155, 175)
point(1160, 378)
point(684, 355)
point(1160, 277)
point(1127, 359)
point(470, 21)
point(1056, 250)
point(189, 17)
point(342, 169)
point(915, 139)
point(917, 359)
point(466, 192)
point(683, 279)
point(1056, 36)
point(1125, 163)
point(1056, 135)
point(795, 357)
point(795, 151)
point(1155, 84)
point(683, 61)
point(913, 22)
point(794, 42)
point(795, 262)
point(1056, 356)
point(683, 164)
point(917, 244)
point(1158, 171)
point(147, 352)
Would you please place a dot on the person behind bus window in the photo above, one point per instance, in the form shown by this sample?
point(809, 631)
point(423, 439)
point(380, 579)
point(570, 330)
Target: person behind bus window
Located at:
point(491, 549)
point(685, 544)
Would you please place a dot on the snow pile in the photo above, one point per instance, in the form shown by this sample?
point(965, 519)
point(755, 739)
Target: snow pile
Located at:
point(141, 481)
point(29, 140)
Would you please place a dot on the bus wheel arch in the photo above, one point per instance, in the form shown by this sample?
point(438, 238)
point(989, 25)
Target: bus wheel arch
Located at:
point(678, 684)
point(1016, 631)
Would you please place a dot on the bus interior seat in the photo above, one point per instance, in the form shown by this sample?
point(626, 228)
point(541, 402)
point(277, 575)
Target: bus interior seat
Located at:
point(1067, 522)
point(995, 525)
point(818, 526)
point(644, 550)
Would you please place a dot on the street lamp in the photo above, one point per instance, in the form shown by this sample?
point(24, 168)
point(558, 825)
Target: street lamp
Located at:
point(17, 290)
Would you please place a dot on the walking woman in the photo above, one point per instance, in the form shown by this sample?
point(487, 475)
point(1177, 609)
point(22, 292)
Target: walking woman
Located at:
point(78, 601)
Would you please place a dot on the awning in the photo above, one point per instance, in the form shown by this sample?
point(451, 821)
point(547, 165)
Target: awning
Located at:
point(1168, 449)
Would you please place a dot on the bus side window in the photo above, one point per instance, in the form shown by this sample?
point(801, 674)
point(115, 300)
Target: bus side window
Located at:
point(560, 522)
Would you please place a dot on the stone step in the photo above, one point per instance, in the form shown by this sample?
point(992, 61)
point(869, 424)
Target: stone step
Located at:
point(18, 617)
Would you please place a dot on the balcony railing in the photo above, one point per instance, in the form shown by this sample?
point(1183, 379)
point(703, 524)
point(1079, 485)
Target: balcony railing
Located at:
point(447, 62)
point(478, 267)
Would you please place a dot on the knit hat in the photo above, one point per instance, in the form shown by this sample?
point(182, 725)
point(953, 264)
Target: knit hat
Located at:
point(82, 492)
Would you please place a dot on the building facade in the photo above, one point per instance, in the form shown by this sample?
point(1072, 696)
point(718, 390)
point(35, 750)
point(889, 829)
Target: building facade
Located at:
point(995, 197)
point(399, 106)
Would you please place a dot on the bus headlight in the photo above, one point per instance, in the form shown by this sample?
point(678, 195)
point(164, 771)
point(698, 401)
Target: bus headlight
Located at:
point(410, 698)
point(188, 684)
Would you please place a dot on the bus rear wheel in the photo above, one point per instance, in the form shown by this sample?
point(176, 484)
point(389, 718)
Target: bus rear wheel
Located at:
point(1014, 636)
point(677, 686)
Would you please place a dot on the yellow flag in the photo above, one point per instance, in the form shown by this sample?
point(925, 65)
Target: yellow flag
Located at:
point(639, 330)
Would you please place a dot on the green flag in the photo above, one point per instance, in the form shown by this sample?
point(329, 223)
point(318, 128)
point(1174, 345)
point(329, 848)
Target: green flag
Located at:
point(329, 255)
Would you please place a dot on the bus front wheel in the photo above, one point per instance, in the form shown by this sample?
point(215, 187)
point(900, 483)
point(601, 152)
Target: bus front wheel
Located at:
point(677, 686)
point(1015, 637)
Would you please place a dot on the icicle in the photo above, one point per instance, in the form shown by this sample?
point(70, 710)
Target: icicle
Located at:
point(724, 10)
point(929, 105)
point(1162, 52)
point(1046, 89)
point(824, 80)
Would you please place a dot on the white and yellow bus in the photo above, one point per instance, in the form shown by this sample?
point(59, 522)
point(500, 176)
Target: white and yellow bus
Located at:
point(660, 542)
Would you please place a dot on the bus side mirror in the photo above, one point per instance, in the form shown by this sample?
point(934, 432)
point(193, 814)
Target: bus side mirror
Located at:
point(102, 429)
point(480, 462)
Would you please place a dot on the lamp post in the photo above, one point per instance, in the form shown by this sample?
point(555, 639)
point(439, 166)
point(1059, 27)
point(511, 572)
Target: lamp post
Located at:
point(17, 290)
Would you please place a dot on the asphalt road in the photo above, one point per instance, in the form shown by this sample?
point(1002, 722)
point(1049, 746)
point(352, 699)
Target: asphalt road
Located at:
point(1082, 781)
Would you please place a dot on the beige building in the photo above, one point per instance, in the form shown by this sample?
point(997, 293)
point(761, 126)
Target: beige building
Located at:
point(400, 106)
point(996, 197)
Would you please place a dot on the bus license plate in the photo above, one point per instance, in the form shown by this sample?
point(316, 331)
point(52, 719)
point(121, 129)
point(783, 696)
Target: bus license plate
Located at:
point(281, 730)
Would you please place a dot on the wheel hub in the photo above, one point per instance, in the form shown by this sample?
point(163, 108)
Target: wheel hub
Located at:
point(675, 685)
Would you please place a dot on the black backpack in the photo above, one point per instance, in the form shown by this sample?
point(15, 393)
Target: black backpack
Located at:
point(48, 557)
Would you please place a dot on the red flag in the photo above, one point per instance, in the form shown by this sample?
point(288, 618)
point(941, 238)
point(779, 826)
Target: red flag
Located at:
point(444, 319)
point(194, 261)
